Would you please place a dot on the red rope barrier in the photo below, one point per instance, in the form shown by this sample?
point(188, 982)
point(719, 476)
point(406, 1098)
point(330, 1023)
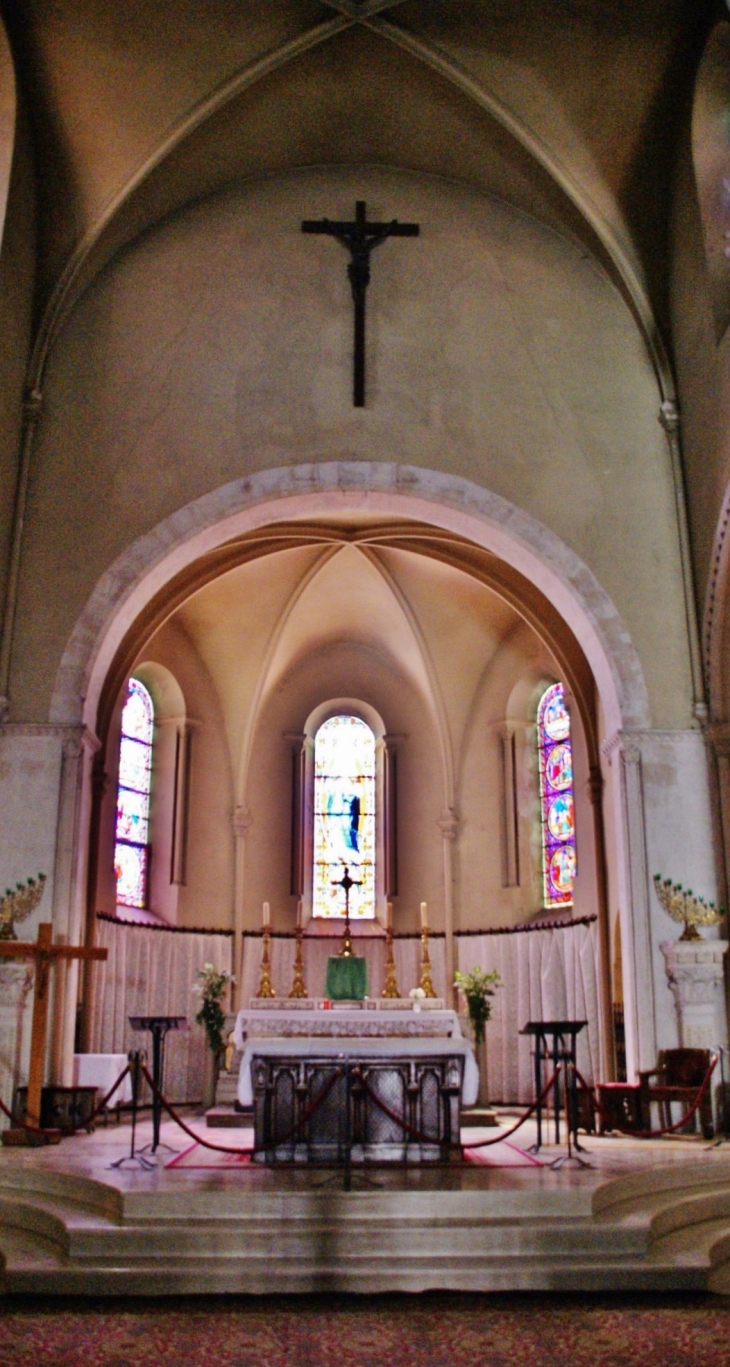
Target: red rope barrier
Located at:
point(480, 1144)
point(258, 1148)
point(650, 1134)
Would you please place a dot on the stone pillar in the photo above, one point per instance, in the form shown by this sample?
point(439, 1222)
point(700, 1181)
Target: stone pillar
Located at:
point(696, 976)
point(16, 980)
point(242, 822)
point(636, 916)
point(69, 893)
point(449, 825)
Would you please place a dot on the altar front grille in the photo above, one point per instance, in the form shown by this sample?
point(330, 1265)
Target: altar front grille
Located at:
point(340, 1110)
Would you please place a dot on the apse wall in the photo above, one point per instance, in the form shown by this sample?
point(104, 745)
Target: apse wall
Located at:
point(449, 667)
point(204, 897)
point(220, 344)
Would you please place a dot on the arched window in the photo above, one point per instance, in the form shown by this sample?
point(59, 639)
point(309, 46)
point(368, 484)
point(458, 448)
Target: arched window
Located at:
point(556, 798)
point(344, 817)
point(131, 848)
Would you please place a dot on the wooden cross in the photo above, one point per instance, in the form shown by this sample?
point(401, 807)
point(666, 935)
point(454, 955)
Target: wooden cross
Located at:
point(360, 238)
point(45, 954)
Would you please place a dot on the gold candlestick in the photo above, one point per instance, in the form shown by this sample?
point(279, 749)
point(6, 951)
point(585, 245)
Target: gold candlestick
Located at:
point(265, 987)
point(426, 983)
point(391, 982)
point(298, 987)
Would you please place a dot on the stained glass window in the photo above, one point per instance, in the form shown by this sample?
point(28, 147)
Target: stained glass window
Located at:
point(556, 798)
point(344, 817)
point(131, 849)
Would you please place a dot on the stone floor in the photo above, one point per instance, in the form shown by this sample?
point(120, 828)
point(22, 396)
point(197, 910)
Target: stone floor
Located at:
point(608, 1156)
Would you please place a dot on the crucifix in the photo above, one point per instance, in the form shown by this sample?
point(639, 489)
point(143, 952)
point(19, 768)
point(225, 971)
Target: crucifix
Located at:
point(44, 954)
point(360, 238)
point(346, 882)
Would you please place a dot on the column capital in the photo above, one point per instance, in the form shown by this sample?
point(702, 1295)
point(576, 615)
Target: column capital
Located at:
point(669, 416)
point(242, 821)
point(626, 743)
point(449, 824)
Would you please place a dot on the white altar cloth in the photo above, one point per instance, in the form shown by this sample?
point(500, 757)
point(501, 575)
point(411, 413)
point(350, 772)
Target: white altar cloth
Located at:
point(350, 1048)
point(344, 1024)
point(101, 1071)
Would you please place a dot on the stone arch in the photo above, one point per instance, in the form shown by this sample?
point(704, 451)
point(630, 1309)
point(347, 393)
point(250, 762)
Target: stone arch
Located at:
point(446, 501)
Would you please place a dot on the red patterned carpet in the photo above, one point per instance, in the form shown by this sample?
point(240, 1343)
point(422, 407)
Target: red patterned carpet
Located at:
point(381, 1331)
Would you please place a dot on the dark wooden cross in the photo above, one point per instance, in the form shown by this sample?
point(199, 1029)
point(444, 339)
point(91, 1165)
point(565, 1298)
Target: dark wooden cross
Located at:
point(360, 238)
point(346, 882)
point(44, 954)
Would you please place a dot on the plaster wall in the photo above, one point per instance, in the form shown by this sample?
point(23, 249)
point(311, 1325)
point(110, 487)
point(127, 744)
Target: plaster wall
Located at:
point(218, 346)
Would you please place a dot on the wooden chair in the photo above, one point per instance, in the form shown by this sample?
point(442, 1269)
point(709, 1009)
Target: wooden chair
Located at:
point(680, 1075)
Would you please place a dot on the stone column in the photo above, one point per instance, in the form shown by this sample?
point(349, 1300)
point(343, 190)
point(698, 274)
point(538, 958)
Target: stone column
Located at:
point(242, 822)
point(16, 980)
point(449, 826)
point(636, 917)
point(69, 893)
point(696, 976)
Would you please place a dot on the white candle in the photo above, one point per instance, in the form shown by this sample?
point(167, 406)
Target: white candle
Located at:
point(389, 917)
point(267, 915)
point(424, 916)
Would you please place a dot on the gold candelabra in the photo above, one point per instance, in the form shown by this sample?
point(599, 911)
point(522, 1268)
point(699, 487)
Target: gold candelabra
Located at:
point(265, 987)
point(682, 905)
point(426, 983)
point(391, 982)
point(18, 903)
point(298, 987)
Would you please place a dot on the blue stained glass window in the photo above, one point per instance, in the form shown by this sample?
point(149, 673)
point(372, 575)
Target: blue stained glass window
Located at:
point(344, 817)
point(131, 849)
point(555, 754)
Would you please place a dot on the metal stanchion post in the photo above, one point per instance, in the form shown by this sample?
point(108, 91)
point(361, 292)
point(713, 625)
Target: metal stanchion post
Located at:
point(724, 1137)
point(136, 1059)
point(571, 1104)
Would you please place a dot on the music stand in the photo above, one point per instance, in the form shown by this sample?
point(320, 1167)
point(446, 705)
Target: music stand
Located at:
point(158, 1027)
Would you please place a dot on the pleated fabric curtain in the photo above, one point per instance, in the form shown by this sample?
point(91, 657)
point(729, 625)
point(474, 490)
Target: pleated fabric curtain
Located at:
point(547, 974)
point(151, 973)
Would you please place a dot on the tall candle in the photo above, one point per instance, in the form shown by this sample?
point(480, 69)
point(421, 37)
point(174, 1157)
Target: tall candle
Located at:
point(389, 918)
point(267, 915)
point(299, 914)
point(424, 916)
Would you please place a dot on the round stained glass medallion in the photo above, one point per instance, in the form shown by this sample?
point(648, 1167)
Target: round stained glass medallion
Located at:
point(562, 870)
point(555, 719)
point(561, 817)
point(559, 767)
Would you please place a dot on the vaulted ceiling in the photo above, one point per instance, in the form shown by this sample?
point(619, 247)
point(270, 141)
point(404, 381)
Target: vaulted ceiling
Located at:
point(138, 108)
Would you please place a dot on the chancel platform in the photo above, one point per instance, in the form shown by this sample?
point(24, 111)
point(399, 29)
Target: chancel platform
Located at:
point(644, 1216)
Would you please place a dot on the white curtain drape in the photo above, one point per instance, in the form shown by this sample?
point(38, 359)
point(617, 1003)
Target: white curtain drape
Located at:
point(546, 974)
point(317, 950)
point(151, 973)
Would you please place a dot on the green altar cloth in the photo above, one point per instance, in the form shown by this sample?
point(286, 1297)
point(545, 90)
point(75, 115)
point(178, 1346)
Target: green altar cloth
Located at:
point(347, 979)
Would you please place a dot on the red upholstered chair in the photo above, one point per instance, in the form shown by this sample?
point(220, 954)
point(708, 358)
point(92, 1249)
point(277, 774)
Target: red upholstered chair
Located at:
point(679, 1076)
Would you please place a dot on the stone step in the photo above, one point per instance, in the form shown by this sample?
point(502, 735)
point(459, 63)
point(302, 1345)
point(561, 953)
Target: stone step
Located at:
point(320, 1240)
point(206, 1275)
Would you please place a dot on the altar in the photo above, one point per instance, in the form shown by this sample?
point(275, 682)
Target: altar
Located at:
point(366, 1082)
